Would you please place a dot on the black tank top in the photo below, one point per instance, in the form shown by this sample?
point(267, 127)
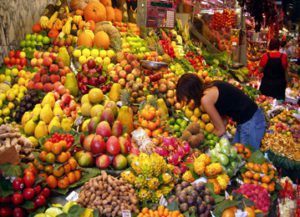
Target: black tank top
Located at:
point(274, 71)
point(232, 102)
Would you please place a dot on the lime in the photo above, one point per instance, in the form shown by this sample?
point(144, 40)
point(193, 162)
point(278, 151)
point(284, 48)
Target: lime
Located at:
point(178, 134)
point(1, 120)
point(46, 40)
point(171, 121)
point(210, 136)
point(178, 121)
point(28, 37)
point(176, 128)
point(23, 43)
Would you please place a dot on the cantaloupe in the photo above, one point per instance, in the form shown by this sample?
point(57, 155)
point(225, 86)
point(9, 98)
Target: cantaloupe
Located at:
point(110, 13)
point(118, 15)
point(84, 39)
point(102, 40)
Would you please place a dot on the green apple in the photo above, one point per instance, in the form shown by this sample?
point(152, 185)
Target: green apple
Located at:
point(33, 37)
point(28, 37)
point(86, 52)
point(95, 52)
point(39, 38)
point(110, 53)
point(23, 43)
point(110, 66)
point(46, 40)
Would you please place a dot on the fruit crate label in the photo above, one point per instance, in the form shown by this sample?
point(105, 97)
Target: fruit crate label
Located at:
point(126, 213)
point(73, 196)
point(163, 201)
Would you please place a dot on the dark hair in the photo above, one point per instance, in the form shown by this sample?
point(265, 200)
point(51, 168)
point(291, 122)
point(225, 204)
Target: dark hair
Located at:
point(283, 43)
point(274, 44)
point(189, 86)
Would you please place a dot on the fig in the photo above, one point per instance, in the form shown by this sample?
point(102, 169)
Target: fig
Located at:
point(201, 209)
point(199, 200)
point(194, 194)
point(185, 184)
point(199, 186)
point(184, 207)
point(207, 199)
point(182, 198)
point(190, 200)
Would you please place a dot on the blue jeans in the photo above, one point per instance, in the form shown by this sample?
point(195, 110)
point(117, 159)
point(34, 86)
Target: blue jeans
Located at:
point(252, 131)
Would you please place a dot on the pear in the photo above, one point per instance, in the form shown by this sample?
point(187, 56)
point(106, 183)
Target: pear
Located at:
point(162, 107)
point(57, 111)
point(53, 211)
point(85, 124)
point(66, 124)
point(115, 92)
point(25, 118)
point(37, 110)
point(29, 127)
point(64, 56)
point(55, 122)
point(49, 99)
point(46, 114)
point(71, 84)
point(41, 130)
point(125, 116)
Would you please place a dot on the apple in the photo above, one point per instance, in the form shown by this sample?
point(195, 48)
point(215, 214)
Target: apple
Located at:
point(53, 68)
point(103, 129)
point(47, 61)
point(113, 146)
point(88, 141)
point(125, 144)
point(120, 162)
point(103, 161)
point(85, 159)
point(91, 63)
point(98, 145)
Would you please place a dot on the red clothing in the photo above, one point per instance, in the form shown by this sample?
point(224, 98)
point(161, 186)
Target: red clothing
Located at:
point(275, 54)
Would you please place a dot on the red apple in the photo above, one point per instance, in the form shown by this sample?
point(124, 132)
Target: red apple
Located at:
point(91, 63)
point(103, 129)
point(85, 159)
point(125, 144)
point(53, 68)
point(113, 146)
point(120, 162)
point(98, 145)
point(47, 61)
point(103, 161)
point(88, 141)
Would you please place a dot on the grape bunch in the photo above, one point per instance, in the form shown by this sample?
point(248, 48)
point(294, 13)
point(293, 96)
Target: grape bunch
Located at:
point(31, 98)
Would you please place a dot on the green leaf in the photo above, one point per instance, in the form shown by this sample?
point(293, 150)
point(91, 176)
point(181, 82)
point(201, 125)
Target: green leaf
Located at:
point(224, 205)
point(76, 210)
point(186, 214)
point(248, 202)
point(6, 188)
point(257, 157)
point(218, 198)
point(96, 213)
point(210, 187)
point(173, 206)
point(27, 204)
point(260, 214)
point(11, 170)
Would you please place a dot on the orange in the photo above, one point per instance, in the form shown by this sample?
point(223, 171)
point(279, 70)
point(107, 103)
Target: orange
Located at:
point(271, 187)
point(175, 213)
point(254, 182)
point(57, 148)
point(205, 118)
point(77, 174)
point(51, 181)
point(145, 210)
point(160, 210)
point(247, 181)
point(63, 183)
point(250, 212)
point(73, 163)
point(240, 147)
point(256, 176)
point(43, 176)
point(250, 165)
point(67, 168)
point(209, 127)
point(62, 158)
point(265, 185)
point(166, 212)
point(228, 213)
point(247, 152)
point(42, 155)
point(63, 143)
point(144, 123)
point(256, 168)
point(49, 169)
point(71, 177)
point(265, 179)
point(58, 172)
point(264, 168)
point(48, 146)
point(50, 158)
point(249, 174)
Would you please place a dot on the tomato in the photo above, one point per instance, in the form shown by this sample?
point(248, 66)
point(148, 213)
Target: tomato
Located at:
point(18, 184)
point(12, 53)
point(46, 192)
point(29, 180)
point(18, 212)
point(40, 200)
point(37, 189)
point(5, 212)
point(5, 199)
point(17, 199)
point(28, 193)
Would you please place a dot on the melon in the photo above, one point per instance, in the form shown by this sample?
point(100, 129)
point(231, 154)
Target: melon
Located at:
point(85, 39)
point(110, 14)
point(102, 40)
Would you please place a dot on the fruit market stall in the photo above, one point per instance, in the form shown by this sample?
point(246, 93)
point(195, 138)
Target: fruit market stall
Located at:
point(90, 125)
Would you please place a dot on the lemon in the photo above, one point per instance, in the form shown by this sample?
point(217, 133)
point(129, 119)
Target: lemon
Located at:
point(10, 105)
point(86, 52)
point(209, 127)
point(86, 109)
point(95, 96)
point(14, 72)
point(82, 59)
point(205, 118)
point(33, 141)
point(77, 53)
point(85, 98)
point(2, 77)
point(6, 111)
point(1, 120)
point(2, 96)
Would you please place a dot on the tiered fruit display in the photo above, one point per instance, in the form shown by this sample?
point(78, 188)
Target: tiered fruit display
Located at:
point(90, 103)
point(56, 164)
point(109, 195)
point(257, 194)
point(127, 27)
point(160, 212)
point(177, 68)
point(194, 199)
point(144, 174)
point(68, 209)
point(168, 48)
point(264, 102)
point(227, 155)
point(10, 136)
point(9, 102)
point(59, 42)
point(174, 150)
point(49, 114)
point(210, 139)
point(227, 19)
point(26, 195)
point(50, 71)
point(166, 86)
point(260, 174)
point(15, 58)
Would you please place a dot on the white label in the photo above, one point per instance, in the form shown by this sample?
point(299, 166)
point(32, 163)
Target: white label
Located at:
point(126, 213)
point(163, 201)
point(73, 196)
point(202, 179)
point(226, 195)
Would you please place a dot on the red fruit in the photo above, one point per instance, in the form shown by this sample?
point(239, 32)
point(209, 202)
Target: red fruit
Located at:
point(113, 146)
point(29, 180)
point(47, 61)
point(5, 212)
point(18, 212)
point(23, 62)
point(18, 184)
point(53, 68)
point(17, 54)
point(38, 86)
point(45, 78)
point(103, 161)
point(6, 60)
point(98, 145)
point(5, 199)
point(48, 87)
point(46, 192)
point(17, 199)
point(91, 63)
point(125, 145)
point(28, 193)
point(11, 53)
point(54, 78)
point(40, 200)
point(37, 189)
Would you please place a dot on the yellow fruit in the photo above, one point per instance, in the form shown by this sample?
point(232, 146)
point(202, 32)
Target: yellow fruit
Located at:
point(209, 127)
point(86, 109)
point(46, 114)
point(204, 158)
point(54, 123)
point(33, 141)
point(202, 124)
point(66, 124)
point(188, 113)
point(41, 130)
point(6, 111)
point(57, 111)
point(199, 167)
point(84, 126)
point(85, 98)
point(96, 110)
point(49, 99)
point(188, 176)
point(205, 118)
point(29, 128)
point(26, 117)
point(197, 112)
point(96, 96)
point(10, 105)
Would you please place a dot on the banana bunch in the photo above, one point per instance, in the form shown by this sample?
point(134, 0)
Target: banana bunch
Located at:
point(66, 29)
point(44, 21)
point(77, 19)
point(241, 74)
point(52, 20)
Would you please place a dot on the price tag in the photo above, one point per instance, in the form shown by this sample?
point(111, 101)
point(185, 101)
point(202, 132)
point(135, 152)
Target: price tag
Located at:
point(163, 201)
point(73, 196)
point(126, 213)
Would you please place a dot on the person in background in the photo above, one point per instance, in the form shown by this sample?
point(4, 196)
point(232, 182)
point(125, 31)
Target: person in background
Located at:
point(219, 100)
point(283, 47)
point(274, 65)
